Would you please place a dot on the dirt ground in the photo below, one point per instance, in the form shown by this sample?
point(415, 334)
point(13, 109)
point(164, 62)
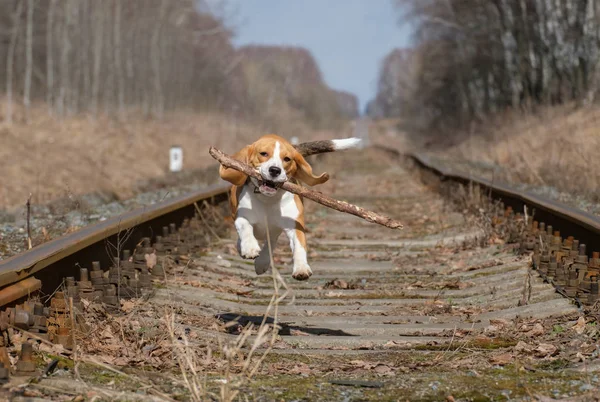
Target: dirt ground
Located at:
point(434, 312)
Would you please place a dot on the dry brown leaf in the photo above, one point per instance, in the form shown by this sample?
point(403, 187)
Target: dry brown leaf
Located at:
point(151, 260)
point(301, 369)
point(537, 330)
point(502, 359)
point(393, 344)
point(579, 326)
point(501, 323)
point(523, 347)
point(545, 349)
point(383, 369)
point(127, 305)
point(107, 333)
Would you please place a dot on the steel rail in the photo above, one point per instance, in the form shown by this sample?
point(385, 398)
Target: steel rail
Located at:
point(66, 250)
point(569, 220)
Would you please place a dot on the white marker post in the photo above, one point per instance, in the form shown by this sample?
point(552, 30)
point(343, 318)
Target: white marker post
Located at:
point(175, 159)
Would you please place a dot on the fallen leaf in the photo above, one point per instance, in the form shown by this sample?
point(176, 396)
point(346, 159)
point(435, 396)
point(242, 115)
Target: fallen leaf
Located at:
point(151, 260)
point(301, 368)
point(537, 330)
point(107, 333)
point(127, 305)
point(523, 347)
point(393, 344)
point(579, 327)
point(383, 369)
point(501, 323)
point(545, 349)
point(502, 359)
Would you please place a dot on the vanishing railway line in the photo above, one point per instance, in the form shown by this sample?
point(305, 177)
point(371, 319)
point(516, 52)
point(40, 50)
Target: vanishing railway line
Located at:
point(442, 309)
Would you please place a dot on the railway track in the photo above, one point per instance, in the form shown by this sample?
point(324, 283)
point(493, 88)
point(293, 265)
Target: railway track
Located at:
point(445, 309)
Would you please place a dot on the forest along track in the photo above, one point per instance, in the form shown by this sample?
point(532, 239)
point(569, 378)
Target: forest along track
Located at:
point(440, 309)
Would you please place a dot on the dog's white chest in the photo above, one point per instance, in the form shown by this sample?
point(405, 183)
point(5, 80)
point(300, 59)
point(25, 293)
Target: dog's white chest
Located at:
point(280, 211)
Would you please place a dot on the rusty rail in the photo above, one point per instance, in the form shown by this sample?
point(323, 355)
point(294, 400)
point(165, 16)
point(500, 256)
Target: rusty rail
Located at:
point(74, 248)
point(578, 223)
point(570, 263)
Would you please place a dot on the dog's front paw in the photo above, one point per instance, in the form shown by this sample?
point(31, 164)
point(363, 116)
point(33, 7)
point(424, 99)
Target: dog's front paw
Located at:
point(301, 272)
point(249, 249)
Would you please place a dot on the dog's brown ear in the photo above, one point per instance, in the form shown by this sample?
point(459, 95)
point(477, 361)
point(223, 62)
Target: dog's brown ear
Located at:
point(233, 176)
point(304, 172)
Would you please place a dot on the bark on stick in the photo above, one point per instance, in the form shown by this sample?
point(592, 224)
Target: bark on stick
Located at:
point(315, 196)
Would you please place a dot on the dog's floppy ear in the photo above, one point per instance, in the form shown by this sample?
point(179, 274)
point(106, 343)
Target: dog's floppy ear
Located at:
point(304, 172)
point(233, 176)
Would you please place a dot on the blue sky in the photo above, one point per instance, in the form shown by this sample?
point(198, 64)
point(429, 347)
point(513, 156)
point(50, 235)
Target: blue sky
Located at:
point(348, 38)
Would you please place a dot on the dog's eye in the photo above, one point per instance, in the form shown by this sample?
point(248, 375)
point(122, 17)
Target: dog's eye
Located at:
point(286, 159)
point(264, 154)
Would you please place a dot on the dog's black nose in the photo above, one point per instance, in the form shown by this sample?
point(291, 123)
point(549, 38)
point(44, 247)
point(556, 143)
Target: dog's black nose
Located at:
point(274, 171)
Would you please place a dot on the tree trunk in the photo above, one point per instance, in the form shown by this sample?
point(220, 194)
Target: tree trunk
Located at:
point(156, 63)
point(10, 59)
point(28, 61)
point(49, 57)
point(99, 36)
point(118, 62)
point(63, 102)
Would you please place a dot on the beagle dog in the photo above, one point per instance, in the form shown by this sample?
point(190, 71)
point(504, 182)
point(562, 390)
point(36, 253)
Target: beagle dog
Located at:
point(261, 208)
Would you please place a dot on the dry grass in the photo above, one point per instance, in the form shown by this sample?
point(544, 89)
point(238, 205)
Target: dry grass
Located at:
point(556, 147)
point(241, 357)
point(56, 158)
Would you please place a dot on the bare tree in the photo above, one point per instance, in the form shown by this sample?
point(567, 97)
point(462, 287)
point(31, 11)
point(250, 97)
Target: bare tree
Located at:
point(16, 18)
point(477, 57)
point(98, 42)
point(49, 56)
point(114, 57)
point(29, 60)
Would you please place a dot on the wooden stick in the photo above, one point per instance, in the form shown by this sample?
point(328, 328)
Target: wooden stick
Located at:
point(316, 196)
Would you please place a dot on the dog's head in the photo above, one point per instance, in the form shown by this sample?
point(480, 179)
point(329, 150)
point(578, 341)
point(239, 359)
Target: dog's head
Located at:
point(278, 161)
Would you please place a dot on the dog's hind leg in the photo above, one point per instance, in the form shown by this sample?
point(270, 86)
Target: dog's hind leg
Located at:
point(263, 262)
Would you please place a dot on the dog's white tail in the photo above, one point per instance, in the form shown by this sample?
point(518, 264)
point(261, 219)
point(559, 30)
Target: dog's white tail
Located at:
point(347, 143)
point(320, 147)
